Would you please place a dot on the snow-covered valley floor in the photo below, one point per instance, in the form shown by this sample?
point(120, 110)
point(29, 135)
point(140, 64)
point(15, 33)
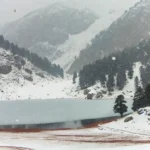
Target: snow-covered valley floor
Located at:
point(84, 139)
point(117, 135)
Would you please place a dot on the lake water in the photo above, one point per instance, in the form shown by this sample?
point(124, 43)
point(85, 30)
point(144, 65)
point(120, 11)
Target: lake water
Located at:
point(53, 111)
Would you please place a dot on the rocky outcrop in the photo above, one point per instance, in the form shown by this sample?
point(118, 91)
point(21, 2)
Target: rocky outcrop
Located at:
point(28, 71)
point(40, 74)
point(5, 68)
point(128, 119)
point(29, 78)
point(86, 91)
point(99, 95)
point(89, 96)
point(140, 111)
point(19, 62)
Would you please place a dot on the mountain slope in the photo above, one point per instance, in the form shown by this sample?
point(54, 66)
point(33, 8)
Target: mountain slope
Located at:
point(14, 78)
point(119, 73)
point(21, 80)
point(127, 31)
point(44, 29)
point(70, 50)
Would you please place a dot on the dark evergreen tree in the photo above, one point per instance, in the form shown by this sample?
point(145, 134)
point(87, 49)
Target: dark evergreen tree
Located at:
point(121, 80)
point(130, 72)
point(147, 94)
point(136, 82)
point(74, 77)
point(139, 100)
point(13, 50)
point(120, 105)
point(110, 83)
point(1, 41)
point(6, 45)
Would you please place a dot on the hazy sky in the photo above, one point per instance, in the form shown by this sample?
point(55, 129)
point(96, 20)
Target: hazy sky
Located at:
point(22, 7)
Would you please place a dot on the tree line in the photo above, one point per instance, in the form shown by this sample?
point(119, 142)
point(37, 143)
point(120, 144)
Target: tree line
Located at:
point(141, 99)
point(42, 63)
point(112, 71)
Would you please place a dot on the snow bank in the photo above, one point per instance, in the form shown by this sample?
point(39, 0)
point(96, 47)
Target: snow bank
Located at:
point(138, 126)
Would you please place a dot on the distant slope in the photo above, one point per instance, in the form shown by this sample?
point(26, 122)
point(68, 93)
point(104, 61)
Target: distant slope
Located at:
point(128, 30)
point(119, 73)
point(41, 31)
point(16, 75)
point(42, 63)
point(70, 50)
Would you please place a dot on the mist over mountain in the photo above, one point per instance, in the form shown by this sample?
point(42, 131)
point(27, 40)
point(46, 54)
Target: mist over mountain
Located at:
point(76, 34)
point(7, 7)
point(127, 31)
point(60, 31)
point(42, 30)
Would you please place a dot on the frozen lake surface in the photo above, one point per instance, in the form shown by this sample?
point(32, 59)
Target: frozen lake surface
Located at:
point(55, 110)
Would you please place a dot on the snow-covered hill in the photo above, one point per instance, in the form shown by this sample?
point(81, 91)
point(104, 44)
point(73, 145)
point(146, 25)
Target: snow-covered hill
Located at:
point(136, 123)
point(21, 80)
point(100, 92)
point(20, 85)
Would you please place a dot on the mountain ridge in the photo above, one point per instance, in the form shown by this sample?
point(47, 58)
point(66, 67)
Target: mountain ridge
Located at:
point(127, 31)
point(52, 24)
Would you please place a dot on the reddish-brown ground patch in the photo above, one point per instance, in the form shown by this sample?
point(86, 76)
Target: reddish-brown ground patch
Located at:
point(14, 148)
point(92, 125)
point(21, 130)
point(99, 123)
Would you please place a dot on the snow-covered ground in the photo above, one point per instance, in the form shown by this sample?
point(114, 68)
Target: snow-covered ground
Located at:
point(117, 135)
point(59, 140)
point(39, 89)
point(21, 84)
point(138, 126)
point(85, 139)
point(128, 90)
point(51, 87)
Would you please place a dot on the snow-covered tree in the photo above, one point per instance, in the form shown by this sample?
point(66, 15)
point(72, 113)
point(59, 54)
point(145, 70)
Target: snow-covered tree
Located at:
point(147, 94)
point(74, 77)
point(1, 41)
point(136, 83)
point(120, 105)
point(139, 100)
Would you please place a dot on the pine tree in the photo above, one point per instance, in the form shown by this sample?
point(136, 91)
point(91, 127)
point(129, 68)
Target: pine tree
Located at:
point(147, 94)
point(1, 41)
point(74, 77)
point(136, 82)
point(139, 100)
point(130, 72)
point(6, 45)
point(120, 105)
point(110, 83)
point(121, 80)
